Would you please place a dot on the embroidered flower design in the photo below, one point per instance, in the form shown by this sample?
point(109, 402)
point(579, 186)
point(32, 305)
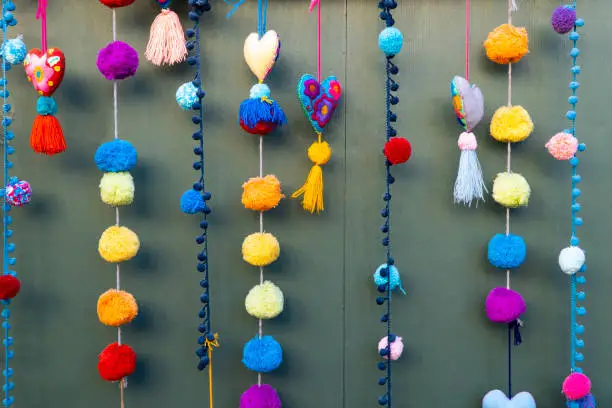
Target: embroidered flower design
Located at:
point(324, 106)
point(335, 89)
point(311, 88)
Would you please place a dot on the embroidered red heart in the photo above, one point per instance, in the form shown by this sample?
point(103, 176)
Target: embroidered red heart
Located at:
point(45, 70)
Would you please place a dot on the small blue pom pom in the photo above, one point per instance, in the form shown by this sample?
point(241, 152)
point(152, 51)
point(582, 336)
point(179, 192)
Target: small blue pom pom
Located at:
point(116, 156)
point(46, 106)
point(14, 51)
point(259, 91)
point(390, 41)
point(507, 252)
point(187, 96)
point(192, 202)
point(262, 355)
point(395, 279)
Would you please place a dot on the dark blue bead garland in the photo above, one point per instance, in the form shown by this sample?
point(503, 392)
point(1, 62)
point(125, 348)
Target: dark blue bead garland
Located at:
point(196, 9)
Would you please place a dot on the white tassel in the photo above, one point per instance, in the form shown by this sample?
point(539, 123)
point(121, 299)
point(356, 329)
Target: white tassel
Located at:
point(469, 185)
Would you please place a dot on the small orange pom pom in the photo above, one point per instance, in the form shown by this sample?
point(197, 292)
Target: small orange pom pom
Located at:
point(47, 136)
point(261, 193)
point(507, 44)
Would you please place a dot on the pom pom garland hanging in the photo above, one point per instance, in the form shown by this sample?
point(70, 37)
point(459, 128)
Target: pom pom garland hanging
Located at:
point(16, 193)
point(117, 244)
point(166, 44)
point(507, 44)
point(260, 115)
point(572, 259)
point(396, 150)
point(45, 69)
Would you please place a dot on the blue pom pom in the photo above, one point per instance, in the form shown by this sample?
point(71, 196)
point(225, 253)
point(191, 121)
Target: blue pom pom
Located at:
point(395, 282)
point(192, 202)
point(187, 96)
point(390, 41)
point(262, 355)
point(46, 106)
point(116, 156)
point(14, 51)
point(507, 252)
point(259, 91)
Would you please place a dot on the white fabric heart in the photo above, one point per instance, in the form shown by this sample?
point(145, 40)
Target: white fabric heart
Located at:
point(260, 54)
point(497, 399)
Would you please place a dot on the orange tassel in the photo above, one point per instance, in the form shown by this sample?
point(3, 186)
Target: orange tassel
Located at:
point(47, 136)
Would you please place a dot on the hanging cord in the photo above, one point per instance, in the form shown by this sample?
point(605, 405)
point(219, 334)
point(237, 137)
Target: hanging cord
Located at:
point(467, 41)
point(317, 4)
point(41, 14)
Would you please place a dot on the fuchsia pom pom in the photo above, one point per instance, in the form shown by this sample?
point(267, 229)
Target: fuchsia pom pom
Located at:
point(504, 305)
point(118, 60)
point(562, 146)
point(260, 396)
point(563, 19)
point(576, 386)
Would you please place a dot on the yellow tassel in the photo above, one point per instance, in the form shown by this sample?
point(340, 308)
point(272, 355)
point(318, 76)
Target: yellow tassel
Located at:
point(312, 191)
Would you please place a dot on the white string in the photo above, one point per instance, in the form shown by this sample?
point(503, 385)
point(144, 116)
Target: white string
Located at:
point(511, 8)
point(261, 231)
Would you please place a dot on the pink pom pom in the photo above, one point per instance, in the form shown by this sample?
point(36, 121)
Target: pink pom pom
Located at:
point(576, 386)
point(467, 141)
point(397, 347)
point(562, 146)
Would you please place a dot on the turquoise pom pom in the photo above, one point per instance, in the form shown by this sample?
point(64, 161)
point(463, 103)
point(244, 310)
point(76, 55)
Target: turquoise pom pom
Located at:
point(192, 202)
point(46, 106)
point(116, 156)
point(262, 355)
point(395, 282)
point(506, 251)
point(187, 95)
point(259, 91)
point(14, 51)
point(390, 41)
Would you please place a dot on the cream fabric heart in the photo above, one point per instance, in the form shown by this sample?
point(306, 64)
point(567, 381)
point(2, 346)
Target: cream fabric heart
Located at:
point(497, 399)
point(261, 54)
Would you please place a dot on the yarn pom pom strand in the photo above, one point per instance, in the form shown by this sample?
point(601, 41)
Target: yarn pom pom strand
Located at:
point(14, 51)
point(116, 307)
point(116, 3)
point(511, 190)
point(507, 44)
point(9, 287)
point(264, 301)
point(390, 41)
point(506, 251)
point(511, 124)
point(116, 156)
point(261, 193)
point(262, 355)
point(385, 273)
point(260, 396)
point(395, 351)
point(562, 146)
point(260, 249)
point(118, 60)
point(116, 361)
point(576, 386)
point(118, 244)
point(504, 305)
point(563, 19)
point(397, 150)
point(571, 260)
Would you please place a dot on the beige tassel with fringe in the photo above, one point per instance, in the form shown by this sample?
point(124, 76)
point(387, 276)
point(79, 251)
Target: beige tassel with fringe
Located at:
point(167, 40)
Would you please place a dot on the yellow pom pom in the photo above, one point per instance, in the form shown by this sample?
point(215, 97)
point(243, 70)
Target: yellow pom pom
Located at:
point(260, 249)
point(319, 153)
point(507, 44)
point(116, 307)
point(511, 190)
point(261, 193)
point(264, 301)
point(117, 188)
point(511, 124)
point(118, 244)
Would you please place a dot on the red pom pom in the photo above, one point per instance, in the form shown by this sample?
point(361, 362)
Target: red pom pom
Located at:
point(397, 150)
point(47, 136)
point(116, 3)
point(261, 128)
point(9, 287)
point(116, 361)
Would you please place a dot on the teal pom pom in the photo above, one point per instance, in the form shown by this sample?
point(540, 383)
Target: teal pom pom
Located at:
point(393, 273)
point(262, 355)
point(14, 51)
point(192, 202)
point(116, 156)
point(46, 106)
point(390, 41)
point(259, 91)
point(507, 251)
point(187, 95)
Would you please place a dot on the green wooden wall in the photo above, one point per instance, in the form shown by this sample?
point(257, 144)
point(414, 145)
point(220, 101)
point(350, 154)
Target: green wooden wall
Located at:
point(330, 326)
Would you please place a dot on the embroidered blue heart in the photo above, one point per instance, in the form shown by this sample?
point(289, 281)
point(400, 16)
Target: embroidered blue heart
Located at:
point(497, 399)
point(318, 100)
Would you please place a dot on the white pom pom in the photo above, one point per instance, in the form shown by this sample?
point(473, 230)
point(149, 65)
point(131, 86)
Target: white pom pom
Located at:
point(571, 259)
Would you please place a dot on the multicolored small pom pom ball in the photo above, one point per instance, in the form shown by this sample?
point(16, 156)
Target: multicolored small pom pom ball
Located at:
point(506, 251)
point(14, 51)
point(576, 386)
point(507, 44)
point(265, 301)
point(260, 396)
point(396, 349)
point(262, 355)
point(187, 96)
point(563, 19)
point(115, 156)
point(18, 193)
point(562, 146)
point(118, 60)
point(192, 202)
point(571, 259)
point(116, 3)
point(390, 41)
point(504, 305)
point(392, 276)
point(511, 190)
point(397, 150)
point(116, 361)
point(9, 287)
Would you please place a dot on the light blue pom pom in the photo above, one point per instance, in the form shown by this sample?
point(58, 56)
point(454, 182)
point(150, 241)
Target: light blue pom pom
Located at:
point(259, 91)
point(116, 156)
point(187, 95)
point(395, 282)
point(507, 252)
point(45, 105)
point(390, 41)
point(262, 355)
point(192, 202)
point(14, 51)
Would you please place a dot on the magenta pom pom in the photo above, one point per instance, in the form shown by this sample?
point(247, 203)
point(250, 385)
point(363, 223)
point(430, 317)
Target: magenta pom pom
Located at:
point(576, 386)
point(563, 19)
point(504, 305)
point(118, 60)
point(260, 396)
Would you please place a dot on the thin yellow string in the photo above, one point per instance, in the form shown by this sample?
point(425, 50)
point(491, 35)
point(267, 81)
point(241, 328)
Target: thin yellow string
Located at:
point(210, 345)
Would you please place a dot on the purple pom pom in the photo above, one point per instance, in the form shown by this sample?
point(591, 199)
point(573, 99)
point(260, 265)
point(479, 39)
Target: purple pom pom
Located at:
point(504, 305)
point(118, 60)
point(263, 396)
point(563, 19)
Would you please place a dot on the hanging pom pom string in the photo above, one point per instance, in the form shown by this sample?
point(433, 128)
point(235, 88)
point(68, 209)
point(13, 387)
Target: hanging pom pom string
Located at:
point(166, 44)
point(45, 70)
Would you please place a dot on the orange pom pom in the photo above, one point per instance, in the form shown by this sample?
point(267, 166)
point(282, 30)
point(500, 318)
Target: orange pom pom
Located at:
point(261, 193)
point(47, 136)
point(116, 307)
point(507, 44)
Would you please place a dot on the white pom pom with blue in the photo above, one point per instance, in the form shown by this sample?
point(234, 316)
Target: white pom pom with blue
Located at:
point(14, 51)
point(571, 259)
point(187, 95)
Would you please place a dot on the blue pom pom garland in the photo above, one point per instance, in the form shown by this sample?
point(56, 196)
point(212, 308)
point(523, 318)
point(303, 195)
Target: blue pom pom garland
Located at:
point(262, 355)
point(506, 251)
point(116, 156)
